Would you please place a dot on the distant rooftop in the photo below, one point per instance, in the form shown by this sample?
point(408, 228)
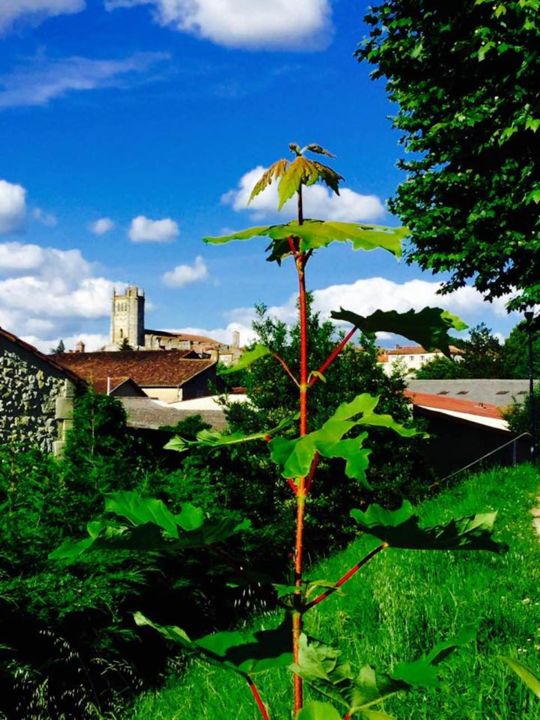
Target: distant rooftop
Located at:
point(500, 393)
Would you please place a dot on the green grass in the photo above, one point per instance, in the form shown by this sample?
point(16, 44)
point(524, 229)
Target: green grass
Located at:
point(402, 604)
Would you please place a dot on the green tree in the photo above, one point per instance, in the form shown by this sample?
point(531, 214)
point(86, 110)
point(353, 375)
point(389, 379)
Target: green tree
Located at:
point(59, 349)
point(483, 357)
point(124, 346)
point(516, 352)
point(464, 76)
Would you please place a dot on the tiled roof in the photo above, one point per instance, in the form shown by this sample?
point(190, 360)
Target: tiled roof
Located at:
point(148, 368)
point(50, 359)
point(415, 350)
point(107, 385)
point(443, 402)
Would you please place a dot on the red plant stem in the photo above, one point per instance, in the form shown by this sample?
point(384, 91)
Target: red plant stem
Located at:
point(301, 494)
point(293, 485)
point(312, 470)
point(284, 365)
point(348, 575)
point(347, 716)
point(258, 699)
point(333, 355)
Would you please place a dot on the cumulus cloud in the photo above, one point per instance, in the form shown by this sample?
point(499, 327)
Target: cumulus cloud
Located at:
point(40, 80)
point(45, 218)
point(143, 229)
point(45, 291)
point(101, 226)
point(35, 11)
point(12, 206)
point(251, 24)
point(364, 297)
point(185, 274)
point(319, 202)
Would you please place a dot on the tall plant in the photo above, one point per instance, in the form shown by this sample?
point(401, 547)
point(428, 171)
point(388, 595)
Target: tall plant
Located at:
point(144, 523)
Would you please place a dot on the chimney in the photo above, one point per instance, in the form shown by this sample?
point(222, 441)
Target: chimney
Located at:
point(80, 347)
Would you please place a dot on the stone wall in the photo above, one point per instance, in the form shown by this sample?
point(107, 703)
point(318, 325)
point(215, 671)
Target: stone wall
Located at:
point(35, 401)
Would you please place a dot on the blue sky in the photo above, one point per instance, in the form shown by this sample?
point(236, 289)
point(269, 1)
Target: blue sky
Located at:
point(132, 128)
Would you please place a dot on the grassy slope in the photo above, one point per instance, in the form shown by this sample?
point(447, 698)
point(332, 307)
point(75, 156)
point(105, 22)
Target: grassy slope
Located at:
point(400, 606)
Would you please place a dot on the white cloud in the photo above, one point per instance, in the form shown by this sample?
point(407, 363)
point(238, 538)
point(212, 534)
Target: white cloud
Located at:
point(251, 24)
point(319, 202)
point(45, 218)
point(46, 292)
point(142, 229)
point(364, 297)
point(12, 206)
point(35, 10)
point(42, 79)
point(20, 257)
point(92, 341)
point(185, 274)
point(101, 226)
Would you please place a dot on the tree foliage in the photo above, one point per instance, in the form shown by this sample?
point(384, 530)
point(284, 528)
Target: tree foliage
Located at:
point(465, 78)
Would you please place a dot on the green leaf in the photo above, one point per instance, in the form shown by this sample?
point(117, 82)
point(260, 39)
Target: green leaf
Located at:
point(140, 510)
point(401, 529)
point(531, 680)
point(153, 528)
point(321, 667)
point(300, 172)
point(318, 711)
point(274, 172)
point(244, 652)
point(428, 327)
point(294, 457)
point(314, 234)
point(247, 359)
point(214, 439)
point(314, 148)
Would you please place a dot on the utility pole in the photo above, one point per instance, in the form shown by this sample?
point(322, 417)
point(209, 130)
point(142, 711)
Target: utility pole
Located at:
point(529, 317)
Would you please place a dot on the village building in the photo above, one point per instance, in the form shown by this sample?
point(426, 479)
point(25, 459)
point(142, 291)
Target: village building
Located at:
point(166, 376)
point(128, 329)
point(36, 396)
point(410, 358)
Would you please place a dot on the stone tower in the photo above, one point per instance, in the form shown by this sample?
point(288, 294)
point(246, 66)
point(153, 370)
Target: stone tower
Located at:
point(128, 318)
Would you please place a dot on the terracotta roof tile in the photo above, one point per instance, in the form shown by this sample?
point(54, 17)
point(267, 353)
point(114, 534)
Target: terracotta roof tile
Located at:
point(158, 368)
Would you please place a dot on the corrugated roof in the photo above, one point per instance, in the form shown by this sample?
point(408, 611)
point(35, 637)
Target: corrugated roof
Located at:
point(148, 368)
point(500, 392)
point(147, 414)
point(451, 404)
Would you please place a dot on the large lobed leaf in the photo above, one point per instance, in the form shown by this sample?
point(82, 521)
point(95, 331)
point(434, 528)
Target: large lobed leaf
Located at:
point(314, 234)
point(428, 327)
point(151, 528)
point(294, 457)
point(322, 668)
point(401, 529)
point(243, 652)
